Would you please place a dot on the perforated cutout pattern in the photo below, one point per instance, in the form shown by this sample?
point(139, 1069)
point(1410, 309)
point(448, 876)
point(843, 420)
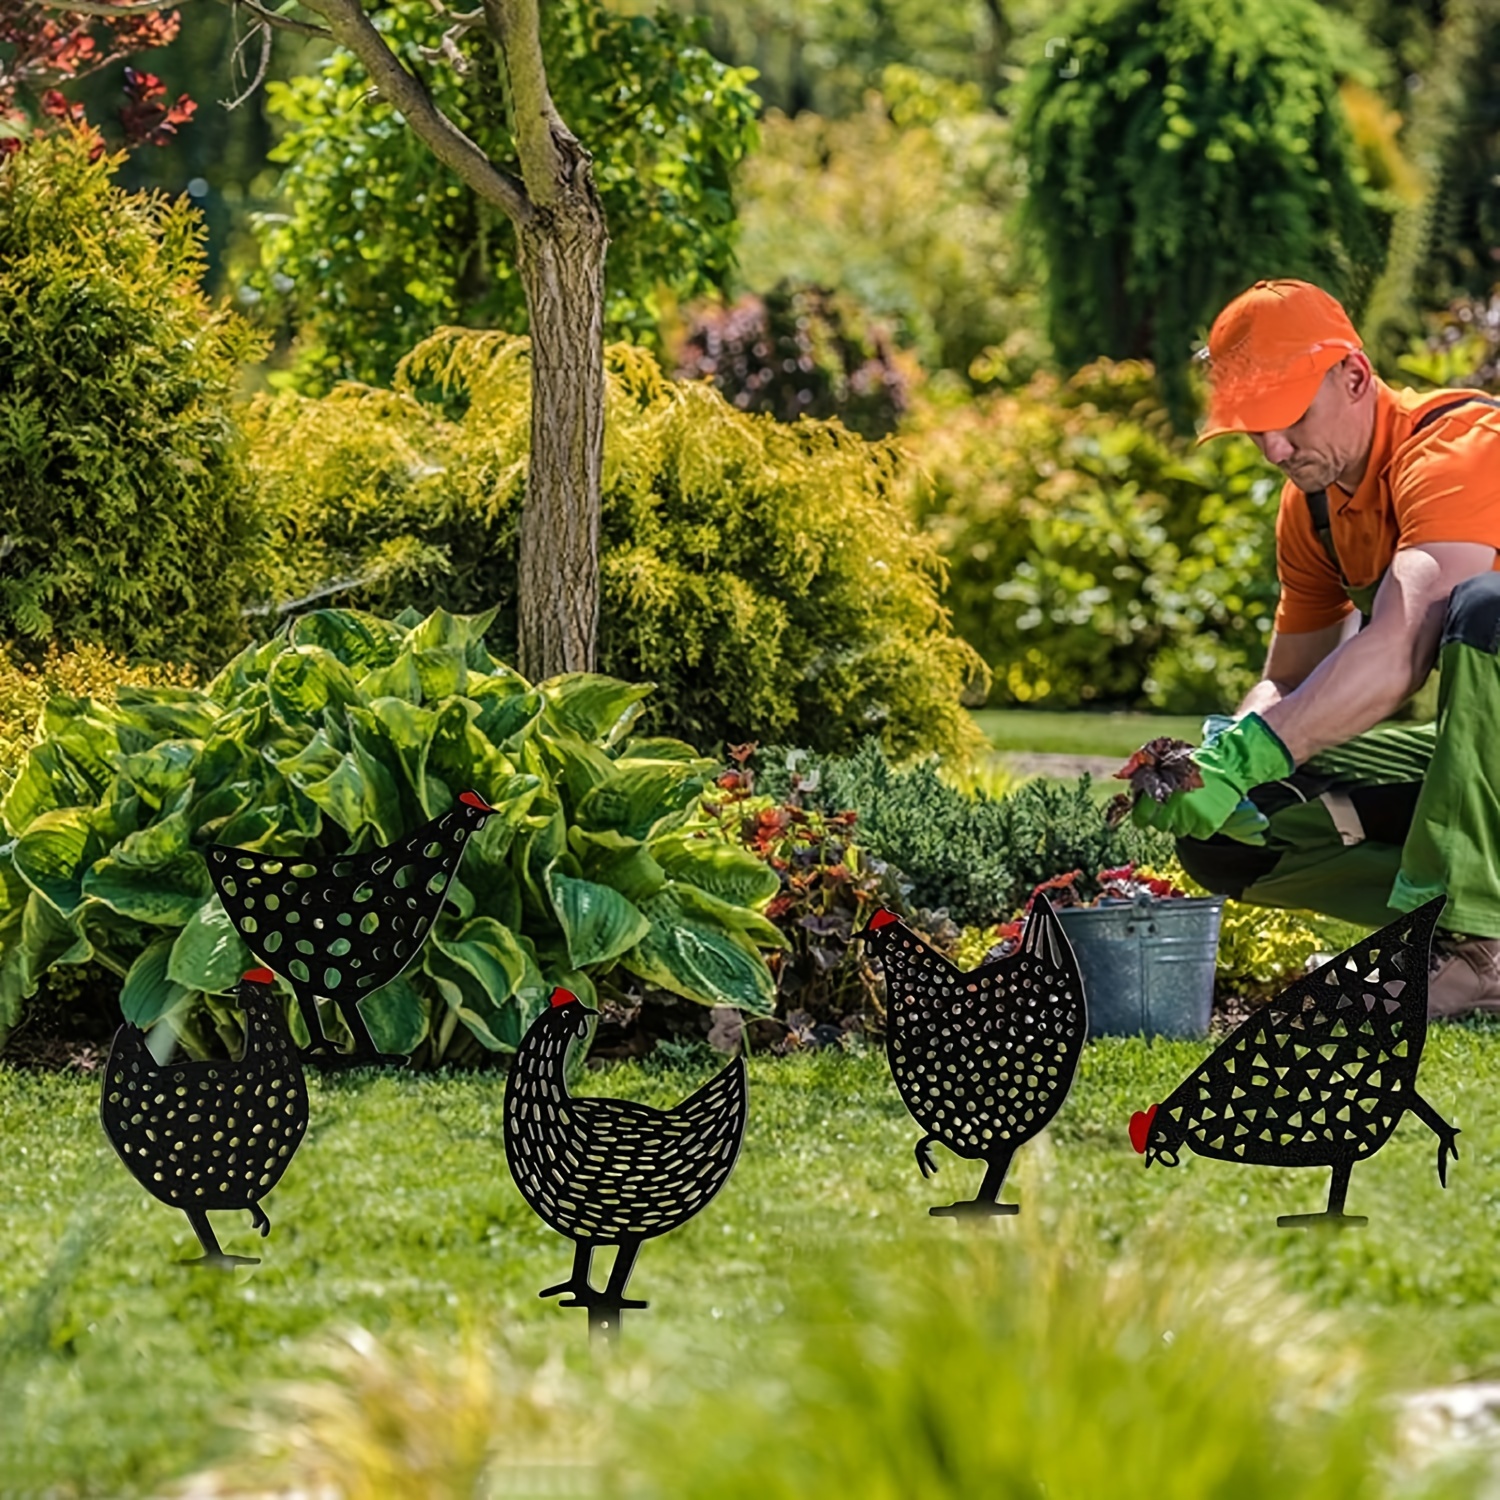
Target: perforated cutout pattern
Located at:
point(208, 1135)
point(611, 1169)
point(984, 1060)
point(341, 928)
point(1324, 1072)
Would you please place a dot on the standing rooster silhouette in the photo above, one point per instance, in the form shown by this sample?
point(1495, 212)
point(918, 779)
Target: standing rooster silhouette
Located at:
point(610, 1171)
point(1320, 1077)
point(202, 1135)
point(343, 927)
point(985, 1059)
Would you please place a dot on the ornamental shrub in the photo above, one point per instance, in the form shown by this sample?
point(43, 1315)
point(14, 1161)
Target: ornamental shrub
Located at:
point(1197, 146)
point(346, 734)
point(976, 858)
point(1095, 557)
point(767, 577)
point(123, 492)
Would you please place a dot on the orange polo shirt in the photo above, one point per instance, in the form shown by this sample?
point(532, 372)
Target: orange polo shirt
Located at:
point(1443, 485)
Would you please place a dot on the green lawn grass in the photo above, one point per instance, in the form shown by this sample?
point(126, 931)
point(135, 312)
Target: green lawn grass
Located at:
point(1081, 733)
point(118, 1367)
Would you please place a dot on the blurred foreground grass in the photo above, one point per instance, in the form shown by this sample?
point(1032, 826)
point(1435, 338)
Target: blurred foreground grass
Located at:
point(1133, 1332)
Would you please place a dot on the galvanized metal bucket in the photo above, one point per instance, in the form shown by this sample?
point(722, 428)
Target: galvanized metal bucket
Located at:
point(1147, 964)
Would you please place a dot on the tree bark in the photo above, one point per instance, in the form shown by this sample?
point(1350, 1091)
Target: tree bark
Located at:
point(561, 263)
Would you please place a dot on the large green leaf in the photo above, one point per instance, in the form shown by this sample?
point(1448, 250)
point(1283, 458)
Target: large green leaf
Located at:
point(346, 797)
point(89, 736)
point(443, 673)
point(158, 844)
point(209, 953)
point(507, 707)
point(598, 923)
point(728, 871)
point(318, 758)
point(639, 795)
point(691, 955)
point(167, 897)
point(55, 854)
point(162, 772)
point(657, 748)
point(440, 629)
point(35, 790)
point(305, 680)
point(362, 642)
point(167, 713)
point(398, 1015)
point(593, 706)
point(397, 679)
point(612, 859)
point(149, 992)
point(390, 740)
point(477, 973)
point(578, 767)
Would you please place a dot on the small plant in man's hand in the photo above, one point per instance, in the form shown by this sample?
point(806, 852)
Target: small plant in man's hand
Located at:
point(1156, 770)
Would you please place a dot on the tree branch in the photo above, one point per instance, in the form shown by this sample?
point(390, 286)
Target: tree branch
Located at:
point(351, 28)
point(539, 129)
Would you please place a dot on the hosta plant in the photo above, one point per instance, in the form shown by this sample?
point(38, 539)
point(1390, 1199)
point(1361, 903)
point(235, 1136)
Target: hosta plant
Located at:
point(342, 735)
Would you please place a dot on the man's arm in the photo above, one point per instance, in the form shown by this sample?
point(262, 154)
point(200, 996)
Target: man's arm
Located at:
point(1365, 679)
point(1291, 660)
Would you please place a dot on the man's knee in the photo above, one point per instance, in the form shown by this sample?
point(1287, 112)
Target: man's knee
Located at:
point(1473, 615)
point(1224, 866)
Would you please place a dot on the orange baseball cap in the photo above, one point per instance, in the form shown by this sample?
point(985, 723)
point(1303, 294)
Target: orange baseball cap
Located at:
point(1268, 352)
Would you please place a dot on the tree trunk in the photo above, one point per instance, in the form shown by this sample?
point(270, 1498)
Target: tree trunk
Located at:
point(561, 261)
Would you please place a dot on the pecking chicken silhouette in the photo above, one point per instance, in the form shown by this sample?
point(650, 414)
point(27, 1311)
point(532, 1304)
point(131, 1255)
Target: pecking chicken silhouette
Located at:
point(344, 927)
point(202, 1135)
point(1320, 1076)
point(985, 1059)
point(611, 1171)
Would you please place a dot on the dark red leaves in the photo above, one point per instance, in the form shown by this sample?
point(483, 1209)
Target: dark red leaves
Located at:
point(1156, 770)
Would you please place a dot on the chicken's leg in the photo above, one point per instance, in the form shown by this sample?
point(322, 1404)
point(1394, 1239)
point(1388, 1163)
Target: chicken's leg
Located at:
point(1447, 1134)
point(1334, 1215)
point(323, 1054)
point(578, 1282)
point(986, 1202)
point(212, 1254)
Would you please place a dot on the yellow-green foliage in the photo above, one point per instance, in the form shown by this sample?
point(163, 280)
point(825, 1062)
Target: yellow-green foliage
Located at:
point(89, 672)
point(1095, 557)
point(933, 249)
point(122, 483)
point(766, 576)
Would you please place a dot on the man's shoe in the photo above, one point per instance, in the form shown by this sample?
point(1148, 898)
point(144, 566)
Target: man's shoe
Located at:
point(1463, 977)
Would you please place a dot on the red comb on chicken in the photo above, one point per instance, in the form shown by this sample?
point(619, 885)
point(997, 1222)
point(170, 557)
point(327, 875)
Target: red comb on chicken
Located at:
point(1140, 1128)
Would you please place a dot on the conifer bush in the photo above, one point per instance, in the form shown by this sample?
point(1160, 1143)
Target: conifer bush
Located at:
point(766, 577)
point(123, 490)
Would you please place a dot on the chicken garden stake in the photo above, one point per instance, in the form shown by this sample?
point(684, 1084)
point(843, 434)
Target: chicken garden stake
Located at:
point(610, 1171)
point(985, 1059)
point(1320, 1076)
point(344, 927)
point(202, 1135)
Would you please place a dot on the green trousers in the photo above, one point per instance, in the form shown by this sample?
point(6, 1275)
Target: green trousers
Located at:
point(1395, 816)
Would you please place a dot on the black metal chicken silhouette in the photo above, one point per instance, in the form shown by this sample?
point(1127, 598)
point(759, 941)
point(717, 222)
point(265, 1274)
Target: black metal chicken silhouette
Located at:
point(206, 1135)
point(985, 1059)
point(611, 1172)
point(1320, 1076)
point(344, 927)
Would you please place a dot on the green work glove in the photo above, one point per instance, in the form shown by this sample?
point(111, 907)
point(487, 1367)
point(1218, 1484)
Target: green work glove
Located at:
point(1247, 822)
point(1233, 760)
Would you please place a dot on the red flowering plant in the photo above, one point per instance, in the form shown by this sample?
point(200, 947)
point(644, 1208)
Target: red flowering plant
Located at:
point(1124, 883)
point(830, 887)
point(42, 51)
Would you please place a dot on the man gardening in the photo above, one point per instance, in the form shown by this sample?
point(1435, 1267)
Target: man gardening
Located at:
point(1386, 551)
